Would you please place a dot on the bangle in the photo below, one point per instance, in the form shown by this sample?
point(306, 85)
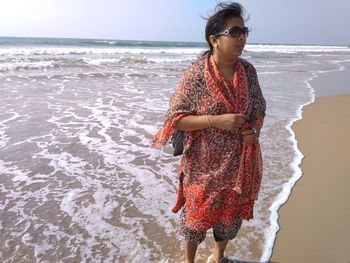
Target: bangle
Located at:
point(208, 120)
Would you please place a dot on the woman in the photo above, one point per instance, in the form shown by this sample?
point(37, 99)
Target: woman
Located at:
point(219, 104)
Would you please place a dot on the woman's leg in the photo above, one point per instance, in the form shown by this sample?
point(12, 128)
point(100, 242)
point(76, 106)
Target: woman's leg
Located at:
point(190, 251)
point(222, 235)
point(219, 249)
point(192, 238)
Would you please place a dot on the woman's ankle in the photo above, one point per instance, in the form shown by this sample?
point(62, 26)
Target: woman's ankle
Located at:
point(218, 258)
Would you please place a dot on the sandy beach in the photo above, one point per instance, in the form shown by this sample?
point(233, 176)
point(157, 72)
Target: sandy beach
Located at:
point(315, 221)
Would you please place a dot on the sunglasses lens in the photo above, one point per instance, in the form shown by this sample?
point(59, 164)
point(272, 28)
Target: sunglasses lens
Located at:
point(237, 31)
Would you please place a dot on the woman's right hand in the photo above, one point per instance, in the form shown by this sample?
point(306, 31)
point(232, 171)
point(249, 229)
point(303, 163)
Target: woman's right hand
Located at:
point(228, 122)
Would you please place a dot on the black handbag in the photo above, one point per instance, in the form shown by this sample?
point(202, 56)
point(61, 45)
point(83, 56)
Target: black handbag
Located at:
point(177, 141)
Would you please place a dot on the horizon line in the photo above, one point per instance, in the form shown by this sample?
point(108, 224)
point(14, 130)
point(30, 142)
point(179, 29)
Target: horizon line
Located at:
point(176, 41)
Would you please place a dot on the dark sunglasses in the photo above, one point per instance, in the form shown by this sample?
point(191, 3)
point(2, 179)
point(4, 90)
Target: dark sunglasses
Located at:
point(235, 31)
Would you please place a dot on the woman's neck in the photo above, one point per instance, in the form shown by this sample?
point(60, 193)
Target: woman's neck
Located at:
point(225, 66)
point(223, 63)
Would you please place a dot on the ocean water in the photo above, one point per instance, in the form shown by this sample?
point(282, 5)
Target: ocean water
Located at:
point(78, 179)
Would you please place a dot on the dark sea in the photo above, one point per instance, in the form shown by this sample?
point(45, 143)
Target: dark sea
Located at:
point(79, 181)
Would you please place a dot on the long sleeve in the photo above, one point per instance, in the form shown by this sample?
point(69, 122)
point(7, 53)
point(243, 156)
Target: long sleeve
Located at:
point(182, 103)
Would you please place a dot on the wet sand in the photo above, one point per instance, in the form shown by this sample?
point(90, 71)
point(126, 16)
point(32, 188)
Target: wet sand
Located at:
point(315, 221)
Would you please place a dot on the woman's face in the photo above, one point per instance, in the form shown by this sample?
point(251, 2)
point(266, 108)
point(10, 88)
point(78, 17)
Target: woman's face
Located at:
point(228, 46)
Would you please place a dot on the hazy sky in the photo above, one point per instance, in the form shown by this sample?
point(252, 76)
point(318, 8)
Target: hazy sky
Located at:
point(272, 21)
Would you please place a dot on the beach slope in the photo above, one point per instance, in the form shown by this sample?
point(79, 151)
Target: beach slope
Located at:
point(315, 221)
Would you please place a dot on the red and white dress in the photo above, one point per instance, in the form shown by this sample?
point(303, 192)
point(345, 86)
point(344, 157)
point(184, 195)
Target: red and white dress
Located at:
point(220, 173)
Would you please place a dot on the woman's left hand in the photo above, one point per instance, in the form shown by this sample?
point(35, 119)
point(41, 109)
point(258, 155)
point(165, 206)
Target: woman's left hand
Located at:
point(251, 135)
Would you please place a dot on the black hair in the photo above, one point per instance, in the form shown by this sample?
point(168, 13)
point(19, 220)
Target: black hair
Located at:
point(216, 23)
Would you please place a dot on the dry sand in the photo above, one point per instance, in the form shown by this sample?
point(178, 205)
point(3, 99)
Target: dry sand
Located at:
point(315, 221)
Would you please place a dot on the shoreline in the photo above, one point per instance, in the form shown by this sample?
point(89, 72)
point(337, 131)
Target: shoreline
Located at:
point(310, 132)
point(297, 174)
